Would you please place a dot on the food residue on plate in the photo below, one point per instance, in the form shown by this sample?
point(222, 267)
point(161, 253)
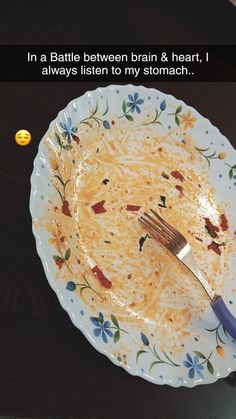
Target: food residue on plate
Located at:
point(110, 181)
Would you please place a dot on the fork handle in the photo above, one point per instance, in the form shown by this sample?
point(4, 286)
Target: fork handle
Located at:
point(224, 315)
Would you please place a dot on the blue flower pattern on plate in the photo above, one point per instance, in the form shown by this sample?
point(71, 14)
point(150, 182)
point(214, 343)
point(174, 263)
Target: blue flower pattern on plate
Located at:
point(102, 327)
point(194, 366)
point(70, 286)
point(69, 129)
point(163, 105)
point(134, 101)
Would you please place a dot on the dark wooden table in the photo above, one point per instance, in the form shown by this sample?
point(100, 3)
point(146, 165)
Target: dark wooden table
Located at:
point(47, 367)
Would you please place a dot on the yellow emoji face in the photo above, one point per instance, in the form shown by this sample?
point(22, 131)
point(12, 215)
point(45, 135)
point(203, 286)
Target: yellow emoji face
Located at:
point(23, 137)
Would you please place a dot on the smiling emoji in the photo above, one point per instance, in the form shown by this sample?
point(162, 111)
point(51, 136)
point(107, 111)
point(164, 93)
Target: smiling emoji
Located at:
point(23, 137)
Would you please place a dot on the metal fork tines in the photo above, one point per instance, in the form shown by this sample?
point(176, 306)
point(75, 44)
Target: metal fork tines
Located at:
point(172, 239)
point(176, 243)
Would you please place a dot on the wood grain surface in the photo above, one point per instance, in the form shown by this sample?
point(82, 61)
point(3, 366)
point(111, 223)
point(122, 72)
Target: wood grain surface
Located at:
point(124, 22)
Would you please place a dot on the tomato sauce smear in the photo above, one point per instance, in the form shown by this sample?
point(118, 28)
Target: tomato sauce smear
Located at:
point(106, 283)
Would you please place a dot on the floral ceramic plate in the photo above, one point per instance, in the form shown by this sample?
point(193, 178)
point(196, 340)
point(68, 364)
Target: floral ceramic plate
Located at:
point(109, 155)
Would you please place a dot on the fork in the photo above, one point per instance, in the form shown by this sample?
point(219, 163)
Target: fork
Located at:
point(177, 244)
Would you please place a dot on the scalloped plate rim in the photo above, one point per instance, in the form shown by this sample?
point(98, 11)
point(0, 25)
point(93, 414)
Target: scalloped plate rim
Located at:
point(66, 307)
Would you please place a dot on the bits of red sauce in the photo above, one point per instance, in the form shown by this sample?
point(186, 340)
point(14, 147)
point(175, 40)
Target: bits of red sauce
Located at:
point(76, 138)
point(65, 208)
point(180, 189)
point(224, 222)
point(98, 208)
point(177, 175)
point(215, 247)
point(106, 283)
point(133, 207)
point(211, 228)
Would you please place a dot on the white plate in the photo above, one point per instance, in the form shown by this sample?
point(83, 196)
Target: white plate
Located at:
point(172, 337)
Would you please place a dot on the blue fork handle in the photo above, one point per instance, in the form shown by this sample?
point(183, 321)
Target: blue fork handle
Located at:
point(224, 315)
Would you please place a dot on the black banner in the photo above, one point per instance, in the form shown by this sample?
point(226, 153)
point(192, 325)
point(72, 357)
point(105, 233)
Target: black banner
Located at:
point(118, 63)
